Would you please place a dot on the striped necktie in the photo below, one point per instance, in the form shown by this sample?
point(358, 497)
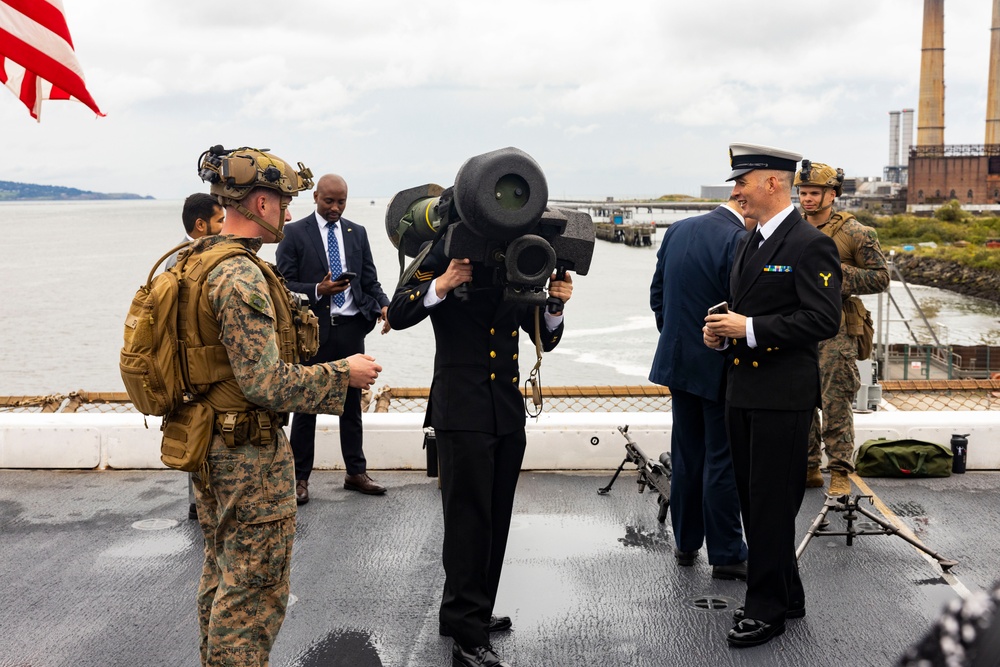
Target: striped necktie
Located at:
point(336, 268)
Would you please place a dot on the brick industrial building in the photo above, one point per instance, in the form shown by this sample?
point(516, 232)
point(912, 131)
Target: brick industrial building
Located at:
point(938, 173)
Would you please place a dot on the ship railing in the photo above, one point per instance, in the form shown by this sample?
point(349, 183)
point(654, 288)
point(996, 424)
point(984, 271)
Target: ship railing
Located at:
point(900, 394)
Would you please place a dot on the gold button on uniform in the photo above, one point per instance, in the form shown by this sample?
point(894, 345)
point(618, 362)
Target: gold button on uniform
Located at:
point(493, 376)
point(412, 297)
point(515, 355)
point(492, 331)
point(493, 354)
point(755, 364)
point(736, 362)
point(513, 333)
point(514, 380)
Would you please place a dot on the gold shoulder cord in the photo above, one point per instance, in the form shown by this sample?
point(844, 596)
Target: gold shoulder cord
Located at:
point(534, 377)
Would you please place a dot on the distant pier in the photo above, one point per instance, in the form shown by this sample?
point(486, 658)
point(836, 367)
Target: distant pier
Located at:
point(631, 234)
point(615, 220)
point(605, 210)
point(607, 205)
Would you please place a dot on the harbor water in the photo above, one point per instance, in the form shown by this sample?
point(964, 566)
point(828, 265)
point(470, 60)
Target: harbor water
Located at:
point(68, 271)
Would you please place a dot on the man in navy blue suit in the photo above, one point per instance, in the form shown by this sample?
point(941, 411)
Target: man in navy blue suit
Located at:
point(317, 258)
point(692, 275)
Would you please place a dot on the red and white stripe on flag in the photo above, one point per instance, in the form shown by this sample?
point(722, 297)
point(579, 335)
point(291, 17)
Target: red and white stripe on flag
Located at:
point(37, 61)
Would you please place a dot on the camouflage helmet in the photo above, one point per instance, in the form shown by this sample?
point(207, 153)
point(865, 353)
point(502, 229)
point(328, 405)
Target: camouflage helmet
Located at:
point(234, 173)
point(820, 175)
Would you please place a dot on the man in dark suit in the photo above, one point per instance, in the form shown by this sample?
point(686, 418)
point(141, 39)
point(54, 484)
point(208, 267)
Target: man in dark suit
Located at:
point(692, 275)
point(315, 257)
point(785, 292)
point(477, 411)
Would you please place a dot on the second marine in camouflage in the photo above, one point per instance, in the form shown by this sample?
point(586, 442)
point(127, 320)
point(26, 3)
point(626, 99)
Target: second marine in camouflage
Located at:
point(865, 272)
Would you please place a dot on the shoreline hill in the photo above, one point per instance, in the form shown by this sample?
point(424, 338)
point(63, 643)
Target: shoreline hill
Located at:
point(14, 191)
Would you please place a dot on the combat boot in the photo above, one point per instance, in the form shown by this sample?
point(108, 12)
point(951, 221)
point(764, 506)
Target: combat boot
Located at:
point(840, 485)
point(814, 479)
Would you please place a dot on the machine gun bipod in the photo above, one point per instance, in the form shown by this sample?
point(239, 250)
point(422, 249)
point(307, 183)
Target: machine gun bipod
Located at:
point(653, 474)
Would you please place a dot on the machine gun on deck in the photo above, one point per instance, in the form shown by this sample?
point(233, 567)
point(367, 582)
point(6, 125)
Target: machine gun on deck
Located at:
point(653, 474)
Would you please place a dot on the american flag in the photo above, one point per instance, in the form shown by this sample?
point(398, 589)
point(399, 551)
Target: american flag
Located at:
point(37, 61)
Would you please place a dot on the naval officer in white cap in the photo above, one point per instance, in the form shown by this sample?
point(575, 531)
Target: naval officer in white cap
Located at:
point(785, 298)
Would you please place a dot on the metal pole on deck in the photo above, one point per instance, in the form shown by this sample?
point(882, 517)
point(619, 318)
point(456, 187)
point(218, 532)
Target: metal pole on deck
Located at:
point(883, 326)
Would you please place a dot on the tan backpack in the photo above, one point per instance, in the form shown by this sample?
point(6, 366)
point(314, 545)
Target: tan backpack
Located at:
point(154, 375)
point(167, 371)
point(148, 362)
point(151, 368)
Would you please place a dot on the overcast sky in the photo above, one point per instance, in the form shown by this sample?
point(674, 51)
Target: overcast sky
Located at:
point(619, 97)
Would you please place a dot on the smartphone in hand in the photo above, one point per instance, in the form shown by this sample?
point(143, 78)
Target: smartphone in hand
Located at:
point(719, 309)
point(349, 275)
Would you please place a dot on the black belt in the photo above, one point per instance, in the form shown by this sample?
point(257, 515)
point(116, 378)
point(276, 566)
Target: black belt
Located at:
point(337, 320)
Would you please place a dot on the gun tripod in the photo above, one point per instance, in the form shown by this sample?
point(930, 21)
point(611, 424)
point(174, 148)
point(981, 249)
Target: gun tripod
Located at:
point(851, 509)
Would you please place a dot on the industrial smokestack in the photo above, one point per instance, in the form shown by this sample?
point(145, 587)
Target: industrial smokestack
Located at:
point(893, 138)
point(930, 123)
point(992, 92)
point(906, 138)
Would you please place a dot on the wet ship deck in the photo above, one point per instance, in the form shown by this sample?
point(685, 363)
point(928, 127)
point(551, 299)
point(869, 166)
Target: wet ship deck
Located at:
point(589, 579)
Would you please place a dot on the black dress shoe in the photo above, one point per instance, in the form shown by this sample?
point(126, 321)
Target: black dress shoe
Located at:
point(479, 656)
point(301, 491)
point(685, 558)
point(497, 624)
point(750, 632)
point(793, 612)
point(730, 572)
point(193, 512)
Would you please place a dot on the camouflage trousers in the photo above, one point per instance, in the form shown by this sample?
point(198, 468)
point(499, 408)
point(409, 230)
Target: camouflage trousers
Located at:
point(247, 516)
point(839, 384)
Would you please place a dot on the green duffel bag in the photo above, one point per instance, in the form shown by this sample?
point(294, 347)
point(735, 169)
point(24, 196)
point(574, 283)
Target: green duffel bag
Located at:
point(902, 458)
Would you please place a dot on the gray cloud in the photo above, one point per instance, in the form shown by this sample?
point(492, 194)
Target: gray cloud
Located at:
point(635, 96)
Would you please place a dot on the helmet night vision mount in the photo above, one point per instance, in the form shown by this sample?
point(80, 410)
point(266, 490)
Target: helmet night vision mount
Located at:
point(496, 214)
point(820, 175)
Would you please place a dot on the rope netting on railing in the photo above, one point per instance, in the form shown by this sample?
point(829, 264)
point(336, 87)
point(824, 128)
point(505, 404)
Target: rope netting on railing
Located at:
point(901, 394)
point(385, 399)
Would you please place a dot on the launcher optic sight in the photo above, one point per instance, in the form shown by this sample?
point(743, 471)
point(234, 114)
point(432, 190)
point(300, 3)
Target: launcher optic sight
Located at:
point(496, 214)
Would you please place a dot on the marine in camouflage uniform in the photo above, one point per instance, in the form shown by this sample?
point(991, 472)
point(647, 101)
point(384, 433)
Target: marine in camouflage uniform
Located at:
point(865, 272)
point(246, 501)
point(247, 504)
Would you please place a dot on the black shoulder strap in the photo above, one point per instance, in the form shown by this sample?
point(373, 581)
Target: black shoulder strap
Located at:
point(406, 275)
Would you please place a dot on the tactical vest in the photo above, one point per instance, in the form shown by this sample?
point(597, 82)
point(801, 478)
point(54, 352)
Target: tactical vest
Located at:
point(853, 311)
point(219, 405)
point(832, 229)
point(204, 360)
